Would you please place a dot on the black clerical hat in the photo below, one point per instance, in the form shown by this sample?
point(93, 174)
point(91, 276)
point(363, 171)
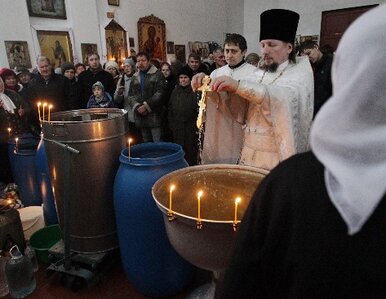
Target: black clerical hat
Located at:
point(279, 24)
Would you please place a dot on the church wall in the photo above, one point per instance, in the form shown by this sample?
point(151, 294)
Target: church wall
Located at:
point(185, 20)
point(310, 15)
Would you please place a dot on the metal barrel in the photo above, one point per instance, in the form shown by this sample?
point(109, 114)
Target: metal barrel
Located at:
point(99, 135)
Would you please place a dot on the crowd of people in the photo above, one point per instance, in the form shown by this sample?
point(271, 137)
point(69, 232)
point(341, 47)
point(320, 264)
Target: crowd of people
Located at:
point(158, 96)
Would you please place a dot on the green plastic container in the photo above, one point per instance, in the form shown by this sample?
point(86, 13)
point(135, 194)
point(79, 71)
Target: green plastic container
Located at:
point(44, 239)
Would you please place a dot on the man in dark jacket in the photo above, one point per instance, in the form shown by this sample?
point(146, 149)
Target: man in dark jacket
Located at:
point(321, 65)
point(49, 87)
point(87, 79)
point(146, 95)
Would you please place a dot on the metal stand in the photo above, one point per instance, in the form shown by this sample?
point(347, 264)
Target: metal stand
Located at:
point(76, 269)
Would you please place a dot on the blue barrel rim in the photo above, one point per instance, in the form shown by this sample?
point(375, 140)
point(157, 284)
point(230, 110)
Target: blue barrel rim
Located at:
point(175, 149)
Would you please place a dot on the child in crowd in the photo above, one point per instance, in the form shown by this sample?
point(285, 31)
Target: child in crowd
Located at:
point(100, 98)
point(182, 116)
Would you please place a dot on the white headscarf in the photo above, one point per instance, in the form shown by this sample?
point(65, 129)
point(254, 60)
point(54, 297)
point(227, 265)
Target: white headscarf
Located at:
point(349, 133)
point(8, 105)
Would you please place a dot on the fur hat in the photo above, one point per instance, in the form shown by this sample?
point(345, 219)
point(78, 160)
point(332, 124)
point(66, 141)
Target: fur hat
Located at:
point(67, 66)
point(186, 71)
point(98, 84)
point(280, 24)
point(21, 70)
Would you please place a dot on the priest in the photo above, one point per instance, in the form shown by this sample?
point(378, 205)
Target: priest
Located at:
point(278, 95)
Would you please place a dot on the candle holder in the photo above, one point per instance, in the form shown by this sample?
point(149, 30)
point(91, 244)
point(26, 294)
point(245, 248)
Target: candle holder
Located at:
point(206, 241)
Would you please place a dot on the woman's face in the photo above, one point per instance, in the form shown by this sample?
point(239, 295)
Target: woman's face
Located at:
point(128, 69)
point(112, 70)
point(10, 81)
point(166, 71)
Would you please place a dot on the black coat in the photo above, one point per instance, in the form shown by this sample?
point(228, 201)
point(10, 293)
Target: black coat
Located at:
point(56, 91)
point(322, 79)
point(182, 116)
point(293, 243)
point(86, 81)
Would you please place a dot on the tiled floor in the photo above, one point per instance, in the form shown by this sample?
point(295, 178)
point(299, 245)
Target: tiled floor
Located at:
point(113, 285)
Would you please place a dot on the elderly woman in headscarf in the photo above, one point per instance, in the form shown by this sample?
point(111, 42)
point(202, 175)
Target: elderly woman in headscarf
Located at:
point(316, 226)
point(113, 68)
point(11, 82)
point(12, 124)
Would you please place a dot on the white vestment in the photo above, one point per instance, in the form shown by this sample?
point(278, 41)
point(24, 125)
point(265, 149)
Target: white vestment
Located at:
point(223, 127)
point(280, 113)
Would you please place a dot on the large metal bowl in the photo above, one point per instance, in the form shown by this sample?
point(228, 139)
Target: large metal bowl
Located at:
point(209, 247)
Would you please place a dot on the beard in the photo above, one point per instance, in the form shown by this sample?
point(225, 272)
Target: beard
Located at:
point(269, 67)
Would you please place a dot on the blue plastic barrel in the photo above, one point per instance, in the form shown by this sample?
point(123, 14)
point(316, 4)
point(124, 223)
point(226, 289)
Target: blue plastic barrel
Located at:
point(22, 160)
point(151, 264)
point(44, 183)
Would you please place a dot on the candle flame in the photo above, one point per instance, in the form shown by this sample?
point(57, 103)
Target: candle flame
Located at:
point(9, 201)
point(44, 104)
point(199, 194)
point(50, 106)
point(237, 200)
point(16, 139)
point(39, 104)
point(130, 140)
point(9, 130)
point(172, 187)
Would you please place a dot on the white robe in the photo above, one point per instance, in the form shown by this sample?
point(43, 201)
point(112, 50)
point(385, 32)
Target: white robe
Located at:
point(280, 113)
point(223, 124)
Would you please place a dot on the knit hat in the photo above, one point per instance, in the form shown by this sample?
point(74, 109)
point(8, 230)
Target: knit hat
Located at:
point(67, 66)
point(21, 70)
point(113, 64)
point(129, 61)
point(186, 71)
point(280, 24)
point(98, 84)
point(5, 72)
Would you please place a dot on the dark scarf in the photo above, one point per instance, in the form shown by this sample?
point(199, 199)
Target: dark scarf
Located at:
point(95, 71)
point(237, 65)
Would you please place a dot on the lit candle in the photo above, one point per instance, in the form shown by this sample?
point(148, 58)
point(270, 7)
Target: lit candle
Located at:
point(39, 104)
point(49, 112)
point(237, 201)
point(172, 187)
point(44, 105)
point(10, 201)
point(199, 195)
point(199, 224)
point(17, 142)
point(9, 133)
point(129, 141)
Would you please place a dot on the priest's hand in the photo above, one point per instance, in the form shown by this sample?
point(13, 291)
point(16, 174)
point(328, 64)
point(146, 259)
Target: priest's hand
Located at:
point(225, 83)
point(197, 81)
